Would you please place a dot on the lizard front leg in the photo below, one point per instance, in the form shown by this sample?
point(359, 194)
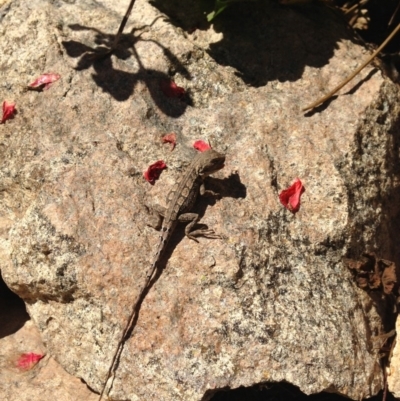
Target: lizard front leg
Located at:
point(193, 218)
point(157, 214)
point(207, 192)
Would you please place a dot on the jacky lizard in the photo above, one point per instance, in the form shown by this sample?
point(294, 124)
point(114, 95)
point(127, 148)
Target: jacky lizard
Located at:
point(179, 202)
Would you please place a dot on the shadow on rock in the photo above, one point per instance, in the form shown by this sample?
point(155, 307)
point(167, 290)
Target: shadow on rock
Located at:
point(265, 41)
point(279, 392)
point(13, 313)
point(121, 84)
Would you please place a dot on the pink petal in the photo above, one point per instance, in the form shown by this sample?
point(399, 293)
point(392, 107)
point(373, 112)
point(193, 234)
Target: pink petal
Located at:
point(28, 361)
point(152, 174)
point(171, 89)
point(170, 138)
point(46, 80)
point(8, 111)
point(290, 198)
point(201, 146)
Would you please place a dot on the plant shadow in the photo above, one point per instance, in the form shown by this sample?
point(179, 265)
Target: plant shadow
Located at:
point(121, 84)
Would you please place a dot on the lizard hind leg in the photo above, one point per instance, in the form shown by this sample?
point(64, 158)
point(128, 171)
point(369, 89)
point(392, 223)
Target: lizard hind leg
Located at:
point(193, 219)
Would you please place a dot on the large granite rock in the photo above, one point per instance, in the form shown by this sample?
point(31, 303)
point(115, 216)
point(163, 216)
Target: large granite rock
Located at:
point(270, 301)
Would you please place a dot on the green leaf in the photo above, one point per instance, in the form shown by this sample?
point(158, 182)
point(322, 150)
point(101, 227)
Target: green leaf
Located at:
point(220, 6)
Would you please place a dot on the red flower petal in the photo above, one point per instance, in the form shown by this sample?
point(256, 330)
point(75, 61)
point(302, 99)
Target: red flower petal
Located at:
point(290, 198)
point(46, 80)
point(28, 361)
point(171, 89)
point(8, 111)
point(153, 172)
point(201, 146)
point(170, 138)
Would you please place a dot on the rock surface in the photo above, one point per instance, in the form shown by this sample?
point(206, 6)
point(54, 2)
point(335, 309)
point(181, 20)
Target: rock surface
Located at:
point(393, 373)
point(46, 380)
point(271, 300)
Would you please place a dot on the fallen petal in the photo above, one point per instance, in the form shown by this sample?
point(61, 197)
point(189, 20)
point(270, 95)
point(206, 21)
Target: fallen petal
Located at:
point(45, 80)
point(171, 89)
point(28, 361)
point(201, 146)
point(8, 111)
point(152, 174)
point(170, 138)
point(290, 198)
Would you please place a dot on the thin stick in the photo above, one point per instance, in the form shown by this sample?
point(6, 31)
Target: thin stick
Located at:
point(122, 26)
point(354, 6)
point(347, 80)
point(349, 10)
point(394, 14)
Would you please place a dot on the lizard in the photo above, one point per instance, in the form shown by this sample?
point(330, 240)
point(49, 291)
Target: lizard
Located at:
point(180, 201)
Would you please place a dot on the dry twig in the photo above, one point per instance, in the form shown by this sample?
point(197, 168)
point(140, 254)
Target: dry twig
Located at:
point(348, 79)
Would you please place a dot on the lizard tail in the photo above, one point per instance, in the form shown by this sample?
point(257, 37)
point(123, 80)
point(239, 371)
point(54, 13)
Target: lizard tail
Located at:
point(127, 331)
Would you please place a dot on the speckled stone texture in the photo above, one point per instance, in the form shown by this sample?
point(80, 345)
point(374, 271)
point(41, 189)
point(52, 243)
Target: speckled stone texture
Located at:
point(393, 371)
point(45, 381)
point(269, 301)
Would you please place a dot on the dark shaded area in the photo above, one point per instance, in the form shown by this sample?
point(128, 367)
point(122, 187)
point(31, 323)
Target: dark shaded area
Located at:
point(386, 229)
point(13, 314)
point(263, 40)
point(279, 392)
point(230, 187)
point(188, 15)
point(121, 84)
point(381, 23)
point(387, 232)
point(267, 42)
point(378, 278)
point(391, 206)
point(383, 16)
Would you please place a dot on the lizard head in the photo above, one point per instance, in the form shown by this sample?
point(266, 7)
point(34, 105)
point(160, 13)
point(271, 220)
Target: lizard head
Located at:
point(212, 161)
